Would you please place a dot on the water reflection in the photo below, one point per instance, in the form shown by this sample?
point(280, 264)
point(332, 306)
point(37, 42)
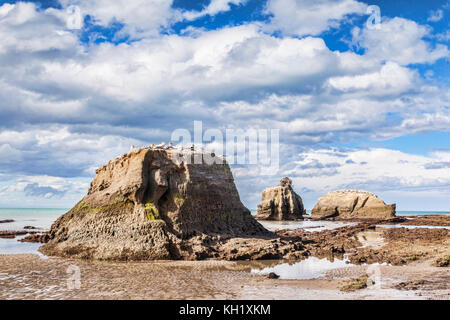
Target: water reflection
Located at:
point(307, 225)
point(13, 246)
point(310, 268)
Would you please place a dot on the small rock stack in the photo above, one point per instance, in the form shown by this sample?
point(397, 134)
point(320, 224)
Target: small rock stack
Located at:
point(348, 204)
point(280, 203)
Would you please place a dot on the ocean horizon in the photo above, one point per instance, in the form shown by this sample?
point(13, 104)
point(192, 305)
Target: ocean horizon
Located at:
point(44, 217)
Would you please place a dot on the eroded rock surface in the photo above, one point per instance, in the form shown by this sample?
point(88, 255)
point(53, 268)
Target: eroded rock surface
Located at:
point(398, 246)
point(145, 206)
point(281, 203)
point(349, 204)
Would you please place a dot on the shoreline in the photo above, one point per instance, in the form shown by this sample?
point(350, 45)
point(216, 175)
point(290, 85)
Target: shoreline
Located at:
point(408, 274)
point(31, 277)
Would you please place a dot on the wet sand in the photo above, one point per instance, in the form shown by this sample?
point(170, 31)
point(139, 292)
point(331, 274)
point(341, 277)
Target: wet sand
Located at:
point(32, 276)
point(29, 276)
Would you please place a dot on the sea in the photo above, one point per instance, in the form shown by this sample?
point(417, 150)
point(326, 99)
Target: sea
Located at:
point(42, 219)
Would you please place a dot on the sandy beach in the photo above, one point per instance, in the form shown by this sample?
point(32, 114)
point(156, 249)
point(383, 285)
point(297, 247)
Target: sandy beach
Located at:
point(397, 259)
point(225, 150)
point(32, 277)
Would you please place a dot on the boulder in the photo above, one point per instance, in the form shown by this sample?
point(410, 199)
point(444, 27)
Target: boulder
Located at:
point(348, 204)
point(280, 203)
point(146, 206)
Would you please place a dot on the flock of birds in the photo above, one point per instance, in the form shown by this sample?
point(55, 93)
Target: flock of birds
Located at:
point(163, 146)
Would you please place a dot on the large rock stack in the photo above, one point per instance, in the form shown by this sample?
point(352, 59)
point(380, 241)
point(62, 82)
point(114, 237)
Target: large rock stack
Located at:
point(348, 204)
point(145, 206)
point(280, 203)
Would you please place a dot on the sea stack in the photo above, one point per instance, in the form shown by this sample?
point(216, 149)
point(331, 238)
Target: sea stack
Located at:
point(349, 204)
point(280, 203)
point(145, 206)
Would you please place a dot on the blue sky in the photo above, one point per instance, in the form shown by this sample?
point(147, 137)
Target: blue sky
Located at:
point(357, 107)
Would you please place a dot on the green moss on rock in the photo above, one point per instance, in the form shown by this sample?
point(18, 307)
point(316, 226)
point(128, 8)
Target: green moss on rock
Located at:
point(151, 211)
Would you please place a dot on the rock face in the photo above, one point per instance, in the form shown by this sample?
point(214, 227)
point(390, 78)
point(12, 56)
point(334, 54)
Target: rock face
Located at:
point(347, 204)
point(145, 206)
point(281, 203)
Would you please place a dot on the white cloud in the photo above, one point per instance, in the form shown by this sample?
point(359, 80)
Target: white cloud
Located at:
point(310, 17)
point(390, 79)
point(444, 36)
point(435, 15)
point(213, 65)
point(373, 169)
point(144, 18)
point(141, 17)
point(412, 181)
point(399, 40)
point(23, 29)
point(213, 8)
point(230, 71)
point(48, 187)
point(67, 108)
point(57, 150)
point(9, 154)
point(439, 120)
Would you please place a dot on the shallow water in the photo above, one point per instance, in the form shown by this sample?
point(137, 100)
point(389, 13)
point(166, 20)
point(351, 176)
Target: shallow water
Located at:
point(420, 213)
point(43, 219)
point(391, 226)
point(39, 218)
point(310, 268)
point(307, 225)
point(398, 213)
point(13, 246)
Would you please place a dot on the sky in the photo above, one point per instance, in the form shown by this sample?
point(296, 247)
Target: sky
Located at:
point(360, 103)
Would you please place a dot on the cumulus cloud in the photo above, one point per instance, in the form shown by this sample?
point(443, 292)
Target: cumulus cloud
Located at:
point(213, 8)
point(45, 187)
point(56, 151)
point(235, 72)
point(144, 18)
point(399, 40)
point(310, 17)
point(141, 18)
point(392, 174)
point(390, 79)
point(373, 169)
point(25, 30)
point(438, 120)
point(67, 107)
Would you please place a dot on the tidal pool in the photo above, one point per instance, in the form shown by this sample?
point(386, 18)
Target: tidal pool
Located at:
point(310, 268)
point(307, 225)
point(13, 246)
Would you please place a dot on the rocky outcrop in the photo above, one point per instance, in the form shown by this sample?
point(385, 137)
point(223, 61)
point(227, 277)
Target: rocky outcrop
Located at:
point(11, 234)
point(36, 238)
point(348, 204)
point(145, 206)
point(280, 203)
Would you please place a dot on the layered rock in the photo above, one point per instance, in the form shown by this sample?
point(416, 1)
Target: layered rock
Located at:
point(348, 204)
point(144, 205)
point(280, 203)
